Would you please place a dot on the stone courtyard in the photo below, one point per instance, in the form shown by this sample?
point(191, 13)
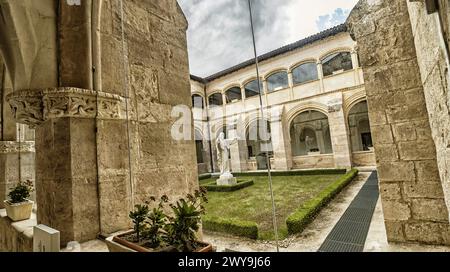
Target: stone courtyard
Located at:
point(100, 111)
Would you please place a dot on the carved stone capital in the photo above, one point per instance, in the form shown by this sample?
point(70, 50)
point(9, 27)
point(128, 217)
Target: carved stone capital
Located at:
point(7, 147)
point(32, 107)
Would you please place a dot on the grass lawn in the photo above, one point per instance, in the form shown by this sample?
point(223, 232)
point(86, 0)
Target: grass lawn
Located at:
point(254, 203)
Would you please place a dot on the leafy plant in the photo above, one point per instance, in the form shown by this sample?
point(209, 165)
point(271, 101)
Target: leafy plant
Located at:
point(183, 226)
point(21, 192)
point(138, 216)
point(156, 220)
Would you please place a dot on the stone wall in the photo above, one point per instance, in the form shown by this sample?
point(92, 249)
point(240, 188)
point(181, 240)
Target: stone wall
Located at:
point(157, 65)
point(18, 236)
point(411, 190)
point(86, 180)
point(434, 69)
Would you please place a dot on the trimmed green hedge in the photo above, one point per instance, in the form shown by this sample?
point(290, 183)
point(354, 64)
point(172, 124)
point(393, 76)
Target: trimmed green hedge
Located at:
point(212, 187)
point(297, 221)
point(231, 226)
point(204, 176)
point(294, 173)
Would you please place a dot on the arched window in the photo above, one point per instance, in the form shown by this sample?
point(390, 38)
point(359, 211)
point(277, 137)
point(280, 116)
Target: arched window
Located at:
point(251, 88)
point(197, 101)
point(277, 81)
point(233, 95)
point(199, 146)
point(215, 99)
point(358, 122)
point(259, 142)
point(305, 72)
point(336, 63)
point(310, 134)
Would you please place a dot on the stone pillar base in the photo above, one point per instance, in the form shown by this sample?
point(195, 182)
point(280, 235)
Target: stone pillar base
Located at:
point(226, 179)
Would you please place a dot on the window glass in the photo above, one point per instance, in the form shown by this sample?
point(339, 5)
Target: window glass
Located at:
point(336, 63)
point(305, 72)
point(234, 94)
point(277, 81)
point(197, 101)
point(251, 89)
point(215, 99)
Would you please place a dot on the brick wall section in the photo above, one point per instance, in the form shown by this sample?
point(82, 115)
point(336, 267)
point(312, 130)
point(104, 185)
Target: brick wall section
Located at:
point(411, 190)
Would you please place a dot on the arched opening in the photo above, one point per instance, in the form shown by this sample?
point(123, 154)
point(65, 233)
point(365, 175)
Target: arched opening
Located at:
point(197, 101)
point(337, 63)
point(310, 134)
point(359, 127)
point(199, 147)
point(304, 73)
point(233, 95)
point(251, 88)
point(259, 142)
point(215, 100)
point(277, 81)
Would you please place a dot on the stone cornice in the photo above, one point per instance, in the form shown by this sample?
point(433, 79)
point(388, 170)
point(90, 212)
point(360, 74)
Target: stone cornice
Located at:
point(32, 107)
point(7, 147)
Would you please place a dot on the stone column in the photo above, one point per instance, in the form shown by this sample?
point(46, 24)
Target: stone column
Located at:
point(320, 73)
point(291, 85)
point(339, 134)
point(411, 191)
point(280, 140)
point(239, 152)
point(354, 54)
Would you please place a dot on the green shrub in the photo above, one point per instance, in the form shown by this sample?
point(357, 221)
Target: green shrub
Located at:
point(231, 226)
point(212, 187)
point(297, 221)
point(204, 176)
point(21, 192)
point(294, 173)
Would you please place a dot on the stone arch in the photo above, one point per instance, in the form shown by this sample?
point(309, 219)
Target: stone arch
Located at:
point(353, 100)
point(310, 134)
point(304, 61)
point(334, 51)
point(359, 127)
point(290, 115)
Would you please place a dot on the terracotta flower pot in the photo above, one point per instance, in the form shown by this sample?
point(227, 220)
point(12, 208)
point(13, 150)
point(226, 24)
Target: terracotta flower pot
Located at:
point(19, 211)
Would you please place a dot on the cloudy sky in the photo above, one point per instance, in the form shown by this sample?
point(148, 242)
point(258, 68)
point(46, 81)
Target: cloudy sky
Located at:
point(219, 30)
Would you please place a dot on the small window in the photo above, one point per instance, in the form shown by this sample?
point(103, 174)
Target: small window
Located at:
point(277, 81)
point(197, 101)
point(215, 99)
point(233, 95)
point(305, 72)
point(337, 63)
point(251, 88)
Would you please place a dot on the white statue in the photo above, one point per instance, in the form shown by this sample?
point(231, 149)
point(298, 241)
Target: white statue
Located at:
point(223, 157)
point(223, 152)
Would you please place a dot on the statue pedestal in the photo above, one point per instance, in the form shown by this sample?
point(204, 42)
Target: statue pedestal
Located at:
point(226, 179)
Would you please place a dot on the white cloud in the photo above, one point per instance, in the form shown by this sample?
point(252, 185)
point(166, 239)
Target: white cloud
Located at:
point(219, 30)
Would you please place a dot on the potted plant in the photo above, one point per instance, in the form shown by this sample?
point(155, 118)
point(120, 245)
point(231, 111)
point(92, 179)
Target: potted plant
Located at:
point(19, 207)
point(155, 231)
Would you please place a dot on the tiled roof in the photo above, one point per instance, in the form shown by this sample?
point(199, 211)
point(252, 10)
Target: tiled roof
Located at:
point(282, 50)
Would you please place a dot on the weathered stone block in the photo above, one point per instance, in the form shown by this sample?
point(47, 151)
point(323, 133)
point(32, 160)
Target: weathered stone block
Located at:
point(386, 153)
point(426, 232)
point(429, 209)
point(396, 210)
point(396, 171)
point(390, 191)
point(423, 189)
point(394, 231)
point(417, 150)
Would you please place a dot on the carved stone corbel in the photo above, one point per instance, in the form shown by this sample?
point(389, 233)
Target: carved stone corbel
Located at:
point(32, 107)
